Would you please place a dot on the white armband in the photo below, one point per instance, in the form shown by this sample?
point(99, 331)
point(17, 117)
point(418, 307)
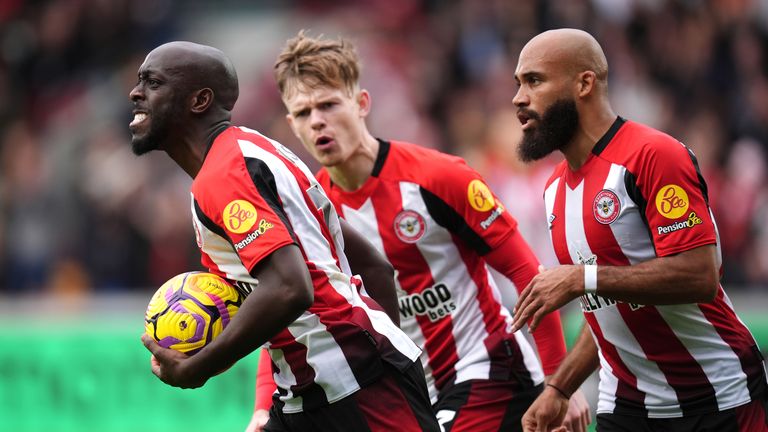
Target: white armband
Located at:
point(590, 279)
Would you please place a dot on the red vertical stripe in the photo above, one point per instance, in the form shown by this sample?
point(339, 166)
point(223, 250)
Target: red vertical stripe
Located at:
point(559, 240)
point(485, 408)
point(661, 346)
point(629, 399)
point(440, 344)
point(599, 236)
point(723, 318)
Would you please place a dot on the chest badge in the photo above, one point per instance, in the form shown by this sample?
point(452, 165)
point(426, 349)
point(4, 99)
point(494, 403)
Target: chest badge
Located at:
point(409, 226)
point(606, 206)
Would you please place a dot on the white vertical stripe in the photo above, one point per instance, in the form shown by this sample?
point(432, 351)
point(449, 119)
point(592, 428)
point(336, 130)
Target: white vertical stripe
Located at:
point(578, 247)
point(318, 250)
point(722, 367)
point(338, 381)
point(649, 378)
point(285, 379)
point(549, 204)
point(305, 226)
point(608, 384)
point(628, 229)
point(364, 220)
point(439, 251)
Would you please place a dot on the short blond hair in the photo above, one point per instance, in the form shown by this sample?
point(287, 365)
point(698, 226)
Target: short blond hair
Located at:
point(317, 62)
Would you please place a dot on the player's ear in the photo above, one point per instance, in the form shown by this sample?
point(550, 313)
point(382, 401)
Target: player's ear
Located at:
point(586, 83)
point(289, 119)
point(201, 100)
point(364, 102)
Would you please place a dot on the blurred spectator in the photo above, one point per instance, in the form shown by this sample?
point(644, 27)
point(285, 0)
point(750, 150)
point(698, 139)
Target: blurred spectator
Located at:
point(79, 213)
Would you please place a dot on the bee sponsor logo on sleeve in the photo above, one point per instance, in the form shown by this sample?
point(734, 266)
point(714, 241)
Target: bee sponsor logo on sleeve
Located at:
point(691, 222)
point(239, 216)
point(480, 196)
point(672, 201)
point(264, 225)
point(492, 217)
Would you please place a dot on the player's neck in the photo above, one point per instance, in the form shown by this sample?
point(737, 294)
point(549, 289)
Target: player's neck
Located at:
point(352, 174)
point(589, 132)
point(189, 151)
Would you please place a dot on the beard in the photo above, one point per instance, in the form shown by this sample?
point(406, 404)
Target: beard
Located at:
point(555, 130)
point(154, 136)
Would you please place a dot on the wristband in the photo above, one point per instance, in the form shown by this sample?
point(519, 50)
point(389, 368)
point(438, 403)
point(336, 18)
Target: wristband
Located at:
point(562, 393)
point(590, 279)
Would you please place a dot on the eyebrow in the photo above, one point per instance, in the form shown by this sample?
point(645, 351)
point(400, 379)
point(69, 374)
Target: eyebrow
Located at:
point(528, 75)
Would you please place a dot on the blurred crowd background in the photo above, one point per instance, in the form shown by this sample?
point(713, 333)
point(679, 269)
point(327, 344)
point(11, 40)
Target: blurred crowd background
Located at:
point(80, 214)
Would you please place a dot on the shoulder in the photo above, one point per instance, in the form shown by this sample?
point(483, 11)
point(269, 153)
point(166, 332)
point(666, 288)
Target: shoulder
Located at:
point(638, 145)
point(422, 165)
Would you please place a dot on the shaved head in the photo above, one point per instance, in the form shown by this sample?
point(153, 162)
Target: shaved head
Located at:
point(196, 66)
point(571, 50)
point(183, 87)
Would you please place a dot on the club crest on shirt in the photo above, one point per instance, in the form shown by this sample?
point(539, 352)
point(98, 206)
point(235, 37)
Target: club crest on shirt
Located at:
point(239, 216)
point(606, 206)
point(409, 226)
point(480, 196)
point(672, 201)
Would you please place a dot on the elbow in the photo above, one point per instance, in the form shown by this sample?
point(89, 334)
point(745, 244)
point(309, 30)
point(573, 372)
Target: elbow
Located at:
point(300, 298)
point(386, 269)
point(708, 286)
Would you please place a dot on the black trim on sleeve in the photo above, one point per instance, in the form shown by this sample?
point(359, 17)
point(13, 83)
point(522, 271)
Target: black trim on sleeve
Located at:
point(264, 181)
point(702, 183)
point(450, 219)
point(381, 157)
point(630, 183)
point(210, 224)
point(602, 143)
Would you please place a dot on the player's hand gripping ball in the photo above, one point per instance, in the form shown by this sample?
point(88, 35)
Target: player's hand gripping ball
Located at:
point(190, 310)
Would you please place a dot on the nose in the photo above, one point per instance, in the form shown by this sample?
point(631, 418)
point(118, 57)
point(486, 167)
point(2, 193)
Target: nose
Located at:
point(316, 119)
point(521, 98)
point(136, 93)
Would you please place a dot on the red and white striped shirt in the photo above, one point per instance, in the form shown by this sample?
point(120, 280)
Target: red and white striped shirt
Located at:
point(434, 218)
point(640, 196)
point(253, 196)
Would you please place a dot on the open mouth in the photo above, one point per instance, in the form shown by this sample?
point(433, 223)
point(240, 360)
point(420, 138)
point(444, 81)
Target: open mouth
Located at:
point(138, 118)
point(525, 119)
point(323, 141)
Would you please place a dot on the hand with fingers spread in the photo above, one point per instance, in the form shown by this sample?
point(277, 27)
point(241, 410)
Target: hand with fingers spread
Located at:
point(547, 292)
point(169, 365)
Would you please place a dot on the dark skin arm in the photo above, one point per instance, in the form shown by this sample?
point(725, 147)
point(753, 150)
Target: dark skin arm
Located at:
point(284, 292)
point(373, 267)
point(688, 277)
point(549, 409)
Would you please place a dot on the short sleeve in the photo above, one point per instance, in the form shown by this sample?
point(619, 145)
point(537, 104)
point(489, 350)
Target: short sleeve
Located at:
point(248, 210)
point(677, 210)
point(461, 201)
